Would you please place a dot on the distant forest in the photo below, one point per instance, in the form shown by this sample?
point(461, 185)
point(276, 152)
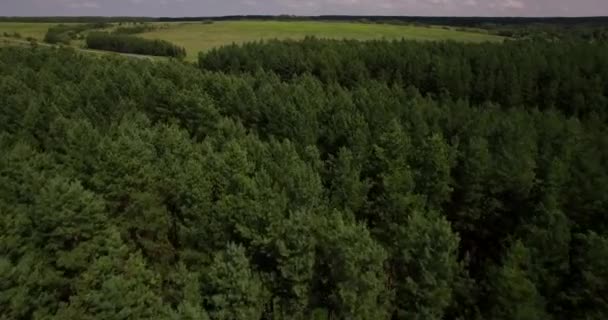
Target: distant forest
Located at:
point(451, 21)
point(585, 28)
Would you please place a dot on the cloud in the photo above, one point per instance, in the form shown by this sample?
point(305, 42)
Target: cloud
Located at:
point(298, 4)
point(439, 2)
point(342, 2)
point(80, 4)
point(513, 4)
point(305, 7)
point(250, 3)
point(170, 2)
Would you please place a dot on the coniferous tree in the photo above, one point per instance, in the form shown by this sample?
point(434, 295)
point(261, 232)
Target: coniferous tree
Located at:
point(231, 290)
point(512, 289)
point(426, 267)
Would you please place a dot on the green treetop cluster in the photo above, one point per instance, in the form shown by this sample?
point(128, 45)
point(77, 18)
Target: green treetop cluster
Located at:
point(274, 181)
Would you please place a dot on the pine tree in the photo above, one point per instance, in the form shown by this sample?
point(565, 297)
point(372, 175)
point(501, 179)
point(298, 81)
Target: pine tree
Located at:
point(425, 267)
point(513, 294)
point(589, 287)
point(231, 290)
point(118, 284)
point(350, 282)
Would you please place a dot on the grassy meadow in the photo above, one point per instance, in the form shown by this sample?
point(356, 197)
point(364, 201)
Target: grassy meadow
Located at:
point(196, 36)
point(33, 30)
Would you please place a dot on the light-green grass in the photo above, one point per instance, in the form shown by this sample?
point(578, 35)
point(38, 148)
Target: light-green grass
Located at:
point(35, 30)
point(196, 37)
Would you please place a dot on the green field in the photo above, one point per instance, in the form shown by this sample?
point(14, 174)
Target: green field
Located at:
point(196, 37)
point(34, 30)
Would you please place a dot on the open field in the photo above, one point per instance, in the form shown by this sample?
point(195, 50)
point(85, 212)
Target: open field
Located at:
point(11, 42)
point(34, 30)
point(196, 37)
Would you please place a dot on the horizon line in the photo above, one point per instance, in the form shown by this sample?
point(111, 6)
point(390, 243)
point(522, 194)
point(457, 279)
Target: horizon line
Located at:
point(299, 16)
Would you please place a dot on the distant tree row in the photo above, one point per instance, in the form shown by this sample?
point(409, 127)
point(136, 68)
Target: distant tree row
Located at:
point(544, 32)
point(141, 28)
point(64, 34)
point(565, 22)
point(15, 35)
point(130, 44)
point(569, 76)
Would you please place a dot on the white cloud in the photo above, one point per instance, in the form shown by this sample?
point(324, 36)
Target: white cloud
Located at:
point(306, 7)
point(84, 5)
point(513, 4)
point(80, 4)
point(168, 2)
point(298, 4)
point(439, 2)
point(343, 2)
point(250, 3)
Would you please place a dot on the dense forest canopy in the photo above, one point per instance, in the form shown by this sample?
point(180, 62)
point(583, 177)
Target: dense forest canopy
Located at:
point(572, 77)
point(306, 180)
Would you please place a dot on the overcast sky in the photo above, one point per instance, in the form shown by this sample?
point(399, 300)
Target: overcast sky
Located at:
point(304, 7)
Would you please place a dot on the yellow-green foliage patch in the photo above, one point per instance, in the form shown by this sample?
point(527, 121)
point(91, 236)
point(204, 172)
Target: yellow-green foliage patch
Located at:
point(196, 37)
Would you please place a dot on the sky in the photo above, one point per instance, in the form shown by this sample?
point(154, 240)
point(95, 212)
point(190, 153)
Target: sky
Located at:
point(180, 8)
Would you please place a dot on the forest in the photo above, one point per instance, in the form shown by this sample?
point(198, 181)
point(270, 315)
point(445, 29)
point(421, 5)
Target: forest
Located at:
point(126, 43)
point(135, 29)
point(64, 34)
point(313, 179)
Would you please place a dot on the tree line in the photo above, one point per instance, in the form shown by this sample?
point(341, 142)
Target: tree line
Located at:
point(125, 43)
point(436, 20)
point(64, 34)
point(160, 190)
point(569, 76)
point(135, 29)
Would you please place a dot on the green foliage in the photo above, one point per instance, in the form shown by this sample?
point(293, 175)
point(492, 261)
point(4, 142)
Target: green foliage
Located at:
point(348, 191)
point(65, 33)
point(230, 288)
point(513, 73)
point(191, 305)
point(288, 255)
point(425, 267)
point(428, 181)
point(116, 285)
point(134, 29)
point(350, 279)
point(588, 292)
point(130, 44)
point(514, 295)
